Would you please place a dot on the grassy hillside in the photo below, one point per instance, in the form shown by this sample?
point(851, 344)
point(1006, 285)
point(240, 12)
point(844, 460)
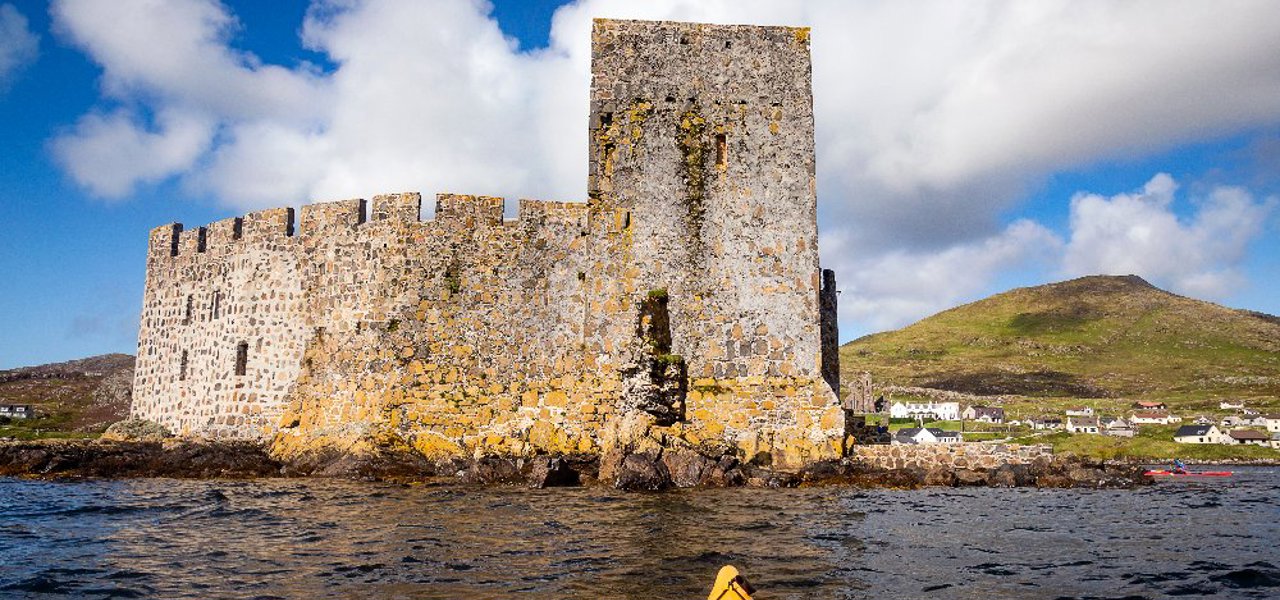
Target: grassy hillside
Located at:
point(78, 398)
point(1111, 340)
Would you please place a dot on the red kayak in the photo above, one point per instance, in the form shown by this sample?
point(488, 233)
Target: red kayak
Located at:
point(1166, 473)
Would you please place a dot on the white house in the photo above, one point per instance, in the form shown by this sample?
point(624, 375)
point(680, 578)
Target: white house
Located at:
point(1046, 424)
point(1228, 405)
point(1154, 418)
point(1084, 411)
point(1117, 428)
point(937, 411)
point(1198, 434)
point(926, 435)
point(1275, 441)
point(16, 411)
point(984, 414)
point(1273, 423)
point(1233, 421)
point(1082, 424)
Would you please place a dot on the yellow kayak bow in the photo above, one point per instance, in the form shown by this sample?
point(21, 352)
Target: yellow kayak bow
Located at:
point(731, 585)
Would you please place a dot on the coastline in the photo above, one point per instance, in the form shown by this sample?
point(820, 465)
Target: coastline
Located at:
point(655, 470)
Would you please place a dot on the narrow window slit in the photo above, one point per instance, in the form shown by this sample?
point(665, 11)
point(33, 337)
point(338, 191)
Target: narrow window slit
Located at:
point(242, 358)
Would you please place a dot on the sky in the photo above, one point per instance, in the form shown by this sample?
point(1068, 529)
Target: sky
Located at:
point(964, 148)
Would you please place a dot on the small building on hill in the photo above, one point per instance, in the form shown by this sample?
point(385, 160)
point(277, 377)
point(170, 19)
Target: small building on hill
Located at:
point(1082, 411)
point(1149, 406)
point(1087, 424)
point(1251, 437)
point(1117, 427)
point(1272, 422)
point(1198, 434)
point(937, 411)
point(1235, 421)
point(17, 411)
point(1046, 424)
point(984, 414)
point(1155, 418)
point(1231, 405)
point(1275, 441)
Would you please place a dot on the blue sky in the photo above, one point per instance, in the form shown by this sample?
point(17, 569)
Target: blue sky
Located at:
point(963, 148)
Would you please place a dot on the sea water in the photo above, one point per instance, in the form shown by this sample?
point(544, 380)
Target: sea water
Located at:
point(156, 538)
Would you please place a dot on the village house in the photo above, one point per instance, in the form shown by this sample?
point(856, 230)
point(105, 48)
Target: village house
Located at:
point(1149, 406)
point(1272, 423)
point(1118, 427)
point(1083, 411)
point(936, 411)
point(1198, 434)
point(1154, 418)
point(17, 411)
point(1275, 441)
point(926, 435)
point(1248, 436)
point(1203, 420)
point(1047, 424)
point(1082, 424)
point(1235, 421)
point(985, 414)
point(1228, 405)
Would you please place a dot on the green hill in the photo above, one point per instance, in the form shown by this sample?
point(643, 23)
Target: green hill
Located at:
point(1112, 340)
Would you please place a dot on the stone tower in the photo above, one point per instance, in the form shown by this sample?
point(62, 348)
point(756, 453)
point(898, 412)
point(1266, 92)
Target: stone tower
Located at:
point(685, 293)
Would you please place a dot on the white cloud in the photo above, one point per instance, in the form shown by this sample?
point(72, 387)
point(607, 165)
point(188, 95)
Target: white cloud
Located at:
point(892, 289)
point(932, 117)
point(1141, 233)
point(109, 153)
point(18, 45)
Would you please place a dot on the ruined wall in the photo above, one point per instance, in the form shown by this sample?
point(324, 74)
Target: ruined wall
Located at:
point(685, 292)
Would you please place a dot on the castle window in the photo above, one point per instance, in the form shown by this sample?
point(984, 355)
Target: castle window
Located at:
point(237, 228)
point(182, 367)
point(606, 119)
point(242, 358)
point(217, 303)
point(201, 237)
point(186, 317)
point(722, 150)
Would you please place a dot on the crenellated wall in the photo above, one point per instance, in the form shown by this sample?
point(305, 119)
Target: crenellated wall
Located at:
point(686, 291)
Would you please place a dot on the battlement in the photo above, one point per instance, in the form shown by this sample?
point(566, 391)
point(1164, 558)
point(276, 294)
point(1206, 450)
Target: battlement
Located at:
point(685, 288)
point(334, 217)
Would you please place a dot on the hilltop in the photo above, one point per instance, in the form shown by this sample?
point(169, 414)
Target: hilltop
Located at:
point(1114, 339)
point(78, 396)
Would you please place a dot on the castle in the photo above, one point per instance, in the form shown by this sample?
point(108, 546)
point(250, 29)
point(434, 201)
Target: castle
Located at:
point(685, 292)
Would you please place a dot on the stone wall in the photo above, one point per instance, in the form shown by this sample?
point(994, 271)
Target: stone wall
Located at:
point(685, 292)
point(947, 456)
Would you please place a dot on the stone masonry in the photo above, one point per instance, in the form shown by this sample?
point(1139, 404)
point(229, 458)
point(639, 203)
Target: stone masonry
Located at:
point(685, 294)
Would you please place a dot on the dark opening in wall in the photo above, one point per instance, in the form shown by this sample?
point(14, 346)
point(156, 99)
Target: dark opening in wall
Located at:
point(182, 367)
point(217, 303)
point(237, 228)
point(242, 358)
point(363, 214)
point(191, 303)
point(201, 237)
point(174, 239)
point(288, 222)
point(606, 119)
point(722, 150)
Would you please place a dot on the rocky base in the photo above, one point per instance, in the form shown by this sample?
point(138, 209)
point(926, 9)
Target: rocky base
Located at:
point(648, 470)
